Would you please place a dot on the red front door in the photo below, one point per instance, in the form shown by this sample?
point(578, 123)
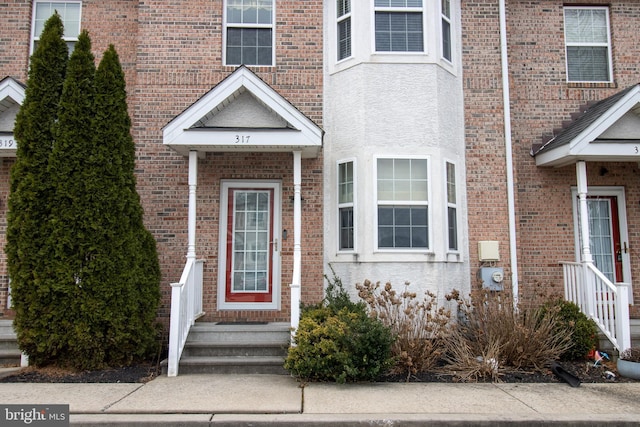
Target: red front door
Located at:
point(249, 255)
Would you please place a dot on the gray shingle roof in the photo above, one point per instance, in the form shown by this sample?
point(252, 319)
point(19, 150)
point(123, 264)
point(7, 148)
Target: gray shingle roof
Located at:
point(588, 117)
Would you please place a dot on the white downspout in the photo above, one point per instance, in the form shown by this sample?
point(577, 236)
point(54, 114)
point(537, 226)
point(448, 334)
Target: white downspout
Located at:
point(297, 239)
point(508, 151)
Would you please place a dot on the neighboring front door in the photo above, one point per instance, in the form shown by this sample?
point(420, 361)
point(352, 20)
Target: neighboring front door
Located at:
point(249, 245)
point(608, 238)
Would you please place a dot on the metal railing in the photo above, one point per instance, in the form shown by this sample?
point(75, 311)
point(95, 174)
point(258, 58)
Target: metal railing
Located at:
point(186, 307)
point(605, 302)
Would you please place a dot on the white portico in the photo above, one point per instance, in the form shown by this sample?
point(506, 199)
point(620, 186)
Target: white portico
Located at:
point(241, 114)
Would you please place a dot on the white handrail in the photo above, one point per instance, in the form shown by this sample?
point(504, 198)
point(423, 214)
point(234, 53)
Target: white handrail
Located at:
point(186, 307)
point(600, 299)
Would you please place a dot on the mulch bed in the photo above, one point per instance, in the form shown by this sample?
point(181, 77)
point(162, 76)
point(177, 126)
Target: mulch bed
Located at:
point(142, 373)
point(586, 372)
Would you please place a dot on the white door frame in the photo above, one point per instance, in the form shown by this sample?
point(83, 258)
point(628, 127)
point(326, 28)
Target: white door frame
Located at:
point(618, 192)
point(225, 185)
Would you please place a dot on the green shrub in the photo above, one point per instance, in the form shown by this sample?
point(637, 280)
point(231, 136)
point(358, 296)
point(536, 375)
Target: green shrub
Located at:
point(341, 346)
point(583, 331)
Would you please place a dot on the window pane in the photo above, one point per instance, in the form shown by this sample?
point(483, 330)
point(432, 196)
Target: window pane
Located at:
point(402, 227)
point(451, 183)
point(446, 40)
point(249, 46)
point(346, 228)
point(343, 7)
point(453, 228)
point(588, 63)
point(249, 11)
point(398, 3)
point(344, 39)
point(345, 182)
point(399, 32)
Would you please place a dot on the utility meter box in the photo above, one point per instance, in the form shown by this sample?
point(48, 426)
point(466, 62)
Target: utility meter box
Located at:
point(492, 278)
point(488, 250)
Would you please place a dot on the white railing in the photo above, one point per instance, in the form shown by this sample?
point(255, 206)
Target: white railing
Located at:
point(600, 299)
point(186, 307)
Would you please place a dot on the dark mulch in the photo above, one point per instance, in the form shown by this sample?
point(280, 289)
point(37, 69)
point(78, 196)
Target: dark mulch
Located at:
point(585, 371)
point(142, 373)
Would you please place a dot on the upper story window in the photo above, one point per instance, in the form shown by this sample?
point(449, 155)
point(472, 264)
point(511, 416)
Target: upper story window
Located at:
point(403, 203)
point(249, 32)
point(445, 14)
point(69, 12)
point(399, 26)
point(344, 28)
point(588, 44)
point(346, 227)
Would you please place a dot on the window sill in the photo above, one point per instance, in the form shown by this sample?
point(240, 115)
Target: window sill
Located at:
point(592, 85)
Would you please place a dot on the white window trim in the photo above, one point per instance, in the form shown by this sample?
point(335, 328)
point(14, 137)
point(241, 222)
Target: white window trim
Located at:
point(607, 45)
point(35, 38)
point(449, 19)
point(422, 10)
point(455, 205)
point(429, 249)
point(339, 19)
point(226, 25)
point(353, 205)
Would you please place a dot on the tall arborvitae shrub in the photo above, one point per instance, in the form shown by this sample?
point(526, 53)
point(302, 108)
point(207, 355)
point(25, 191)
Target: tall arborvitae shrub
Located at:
point(127, 274)
point(35, 297)
point(72, 239)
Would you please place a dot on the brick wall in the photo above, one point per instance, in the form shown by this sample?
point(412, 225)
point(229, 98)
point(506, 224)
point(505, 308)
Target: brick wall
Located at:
point(541, 100)
point(171, 53)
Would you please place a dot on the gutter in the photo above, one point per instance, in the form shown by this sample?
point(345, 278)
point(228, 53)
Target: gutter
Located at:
point(508, 151)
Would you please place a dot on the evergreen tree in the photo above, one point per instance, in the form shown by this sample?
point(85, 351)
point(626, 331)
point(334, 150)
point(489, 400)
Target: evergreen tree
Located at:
point(71, 240)
point(127, 270)
point(30, 189)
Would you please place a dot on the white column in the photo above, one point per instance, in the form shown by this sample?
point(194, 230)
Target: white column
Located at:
point(193, 184)
point(581, 171)
point(297, 238)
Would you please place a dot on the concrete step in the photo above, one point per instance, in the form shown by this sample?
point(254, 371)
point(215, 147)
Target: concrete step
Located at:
point(223, 349)
point(9, 352)
point(237, 333)
point(606, 346)
point(235, 349)
point(246, 365)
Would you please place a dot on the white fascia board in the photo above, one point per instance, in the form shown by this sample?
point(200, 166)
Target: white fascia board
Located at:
point(12, 89)
point(554, 157)
point(173, 133)
point(607, 120)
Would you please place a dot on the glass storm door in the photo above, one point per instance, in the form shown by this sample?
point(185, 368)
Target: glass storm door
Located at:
point(604, 236)
point(250, 246)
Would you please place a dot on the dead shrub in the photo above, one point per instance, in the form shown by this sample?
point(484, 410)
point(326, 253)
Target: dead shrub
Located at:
point(417, 325)
point(492, 337)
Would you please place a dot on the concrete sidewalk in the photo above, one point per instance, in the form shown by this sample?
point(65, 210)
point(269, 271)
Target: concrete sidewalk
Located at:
point(261, 400)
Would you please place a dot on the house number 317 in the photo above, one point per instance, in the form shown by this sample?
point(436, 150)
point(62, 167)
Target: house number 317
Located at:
point(242, 139)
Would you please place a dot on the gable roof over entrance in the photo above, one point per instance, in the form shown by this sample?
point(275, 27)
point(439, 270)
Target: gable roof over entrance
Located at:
point(607, 131)
point(243, 113)
point(11, 98)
